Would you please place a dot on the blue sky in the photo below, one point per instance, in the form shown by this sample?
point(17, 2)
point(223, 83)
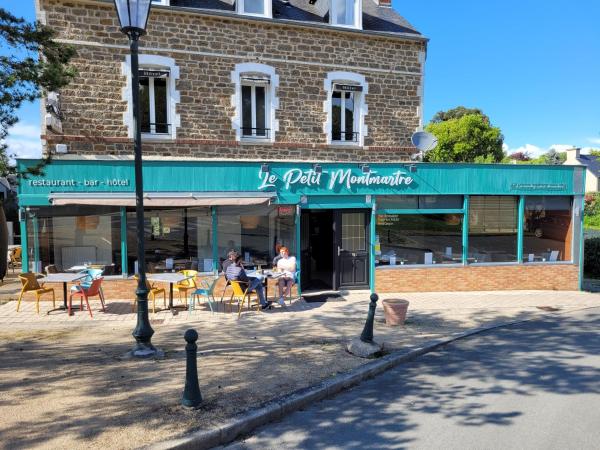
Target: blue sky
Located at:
point(533, 66)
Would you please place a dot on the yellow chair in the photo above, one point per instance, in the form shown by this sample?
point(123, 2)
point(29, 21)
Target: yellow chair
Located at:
point(31, 284)
point(186, 285)
point(241, 293)
point(152, 292)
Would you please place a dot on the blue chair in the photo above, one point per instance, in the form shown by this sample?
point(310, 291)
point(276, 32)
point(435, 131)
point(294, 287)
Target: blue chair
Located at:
point(206, 290)
point(86, 283)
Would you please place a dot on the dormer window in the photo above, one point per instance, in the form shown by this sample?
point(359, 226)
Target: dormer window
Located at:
point(261, 8)
point(346, 13)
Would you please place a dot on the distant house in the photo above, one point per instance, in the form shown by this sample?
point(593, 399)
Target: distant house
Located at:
point(575, 158)
point(5, 188)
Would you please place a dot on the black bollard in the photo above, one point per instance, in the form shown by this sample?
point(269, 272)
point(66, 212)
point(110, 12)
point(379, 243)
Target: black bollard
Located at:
point(191, 393)
point(367, 333)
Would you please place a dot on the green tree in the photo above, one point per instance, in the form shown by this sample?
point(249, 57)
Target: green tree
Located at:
point(595, 152)
point(465, 136)
point(33, 63)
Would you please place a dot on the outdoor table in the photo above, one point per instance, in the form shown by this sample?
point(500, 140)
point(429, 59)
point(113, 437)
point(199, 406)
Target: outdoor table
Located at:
point(170, 278)
point(265, 274)
point(63, 278)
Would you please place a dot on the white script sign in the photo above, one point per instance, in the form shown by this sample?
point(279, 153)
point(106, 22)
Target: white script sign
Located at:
point(330, 180)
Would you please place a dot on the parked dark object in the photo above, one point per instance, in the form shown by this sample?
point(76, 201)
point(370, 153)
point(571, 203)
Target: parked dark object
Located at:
point(367, 333)
point(3, 243)
point(591, 257)
point(395, 310)
point(192, 397)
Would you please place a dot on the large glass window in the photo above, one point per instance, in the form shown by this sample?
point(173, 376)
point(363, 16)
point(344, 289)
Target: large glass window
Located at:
point(257, 232)
point(418, 239)
point(175, 239)
point(493, 229)
point(70, 236)
point(420, 202)
point(548, 229)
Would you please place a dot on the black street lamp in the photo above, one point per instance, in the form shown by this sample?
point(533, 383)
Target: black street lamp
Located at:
point(133, 17)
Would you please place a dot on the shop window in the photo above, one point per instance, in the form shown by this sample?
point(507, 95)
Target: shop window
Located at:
point(256, 232)
point(345, 108)
point(255, 7)
point(493, 229)
point(158, 97)
point(175, 239)
point(409, 239)
point(548, 229)
point(420, 202)
point(255, 102)
point(347, 13)
point(70, 236)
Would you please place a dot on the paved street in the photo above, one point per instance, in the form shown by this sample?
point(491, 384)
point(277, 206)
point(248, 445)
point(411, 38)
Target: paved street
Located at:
point(534, 386)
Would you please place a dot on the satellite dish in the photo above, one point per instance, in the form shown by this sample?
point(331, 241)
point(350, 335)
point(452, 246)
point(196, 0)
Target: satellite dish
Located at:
point(424, 141)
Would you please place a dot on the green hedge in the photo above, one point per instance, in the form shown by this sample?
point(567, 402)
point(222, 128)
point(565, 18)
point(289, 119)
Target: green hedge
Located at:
point(591, 257)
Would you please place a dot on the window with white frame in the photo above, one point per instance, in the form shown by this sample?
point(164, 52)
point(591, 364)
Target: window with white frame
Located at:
point(255, 120)
point(346, 13)
point(255, 7)
point(345, 108)
point(154, 101)
point(255, 102)
point(158, 97)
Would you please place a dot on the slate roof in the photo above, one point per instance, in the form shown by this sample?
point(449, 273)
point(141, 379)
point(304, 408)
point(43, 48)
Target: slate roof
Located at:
point(591, 162)
point(375, 17)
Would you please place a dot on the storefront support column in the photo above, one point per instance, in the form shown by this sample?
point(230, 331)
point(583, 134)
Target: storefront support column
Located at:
point(520, 230)
point(124, 261)
point(36, 243)
point(24, 241)
point(215, 238)
point(372, 232)
point(465, 230)
point(298, 246)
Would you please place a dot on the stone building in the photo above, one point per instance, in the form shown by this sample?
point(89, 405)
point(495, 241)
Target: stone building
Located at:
point(269, 124)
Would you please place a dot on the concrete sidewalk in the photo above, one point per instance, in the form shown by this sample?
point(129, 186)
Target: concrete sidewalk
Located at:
point(62, 379)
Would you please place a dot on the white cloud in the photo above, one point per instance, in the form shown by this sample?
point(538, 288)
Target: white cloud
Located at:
point(594, 141)
point(23, 141)
point(534, 151)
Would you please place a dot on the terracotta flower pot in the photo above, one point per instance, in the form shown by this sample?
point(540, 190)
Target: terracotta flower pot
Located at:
point(394, 310)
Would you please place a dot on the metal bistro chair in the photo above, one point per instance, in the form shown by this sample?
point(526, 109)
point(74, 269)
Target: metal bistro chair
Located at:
point(241, 294)
point(153, 291)
point(31, 284)
point(206, 290)
point(85, 283)
point(85, 293)
point(189, 284)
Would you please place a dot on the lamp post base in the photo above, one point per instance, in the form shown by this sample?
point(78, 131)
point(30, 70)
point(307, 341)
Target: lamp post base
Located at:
point(144, 351)
point(364, 349)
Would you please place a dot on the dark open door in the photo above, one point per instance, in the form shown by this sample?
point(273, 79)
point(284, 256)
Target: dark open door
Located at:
point(352, 249)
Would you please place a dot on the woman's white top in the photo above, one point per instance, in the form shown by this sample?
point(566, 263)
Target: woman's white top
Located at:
point(287, 266)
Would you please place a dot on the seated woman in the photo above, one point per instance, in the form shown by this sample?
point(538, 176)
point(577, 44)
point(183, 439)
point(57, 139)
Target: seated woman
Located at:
point(287, 265)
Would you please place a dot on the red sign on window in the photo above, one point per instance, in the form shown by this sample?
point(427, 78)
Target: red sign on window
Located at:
point(285, 211)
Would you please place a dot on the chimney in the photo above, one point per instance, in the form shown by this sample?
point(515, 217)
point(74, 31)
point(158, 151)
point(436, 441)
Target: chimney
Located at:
point(573, 155)
point(384, 3)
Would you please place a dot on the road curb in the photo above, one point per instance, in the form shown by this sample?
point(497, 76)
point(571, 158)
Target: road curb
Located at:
point(287, 404)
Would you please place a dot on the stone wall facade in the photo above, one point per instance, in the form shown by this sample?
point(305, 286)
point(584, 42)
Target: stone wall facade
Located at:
point(206, 49)
point(479, 278)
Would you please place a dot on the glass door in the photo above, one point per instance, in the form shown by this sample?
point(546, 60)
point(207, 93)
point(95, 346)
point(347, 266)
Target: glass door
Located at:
point(352, 255)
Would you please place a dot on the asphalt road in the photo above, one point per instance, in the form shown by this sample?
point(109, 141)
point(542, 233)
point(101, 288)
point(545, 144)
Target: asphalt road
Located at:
point(530, 386)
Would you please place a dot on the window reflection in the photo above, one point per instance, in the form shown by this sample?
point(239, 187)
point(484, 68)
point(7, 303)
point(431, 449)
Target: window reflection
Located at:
point(418, 239)
point(548, 229)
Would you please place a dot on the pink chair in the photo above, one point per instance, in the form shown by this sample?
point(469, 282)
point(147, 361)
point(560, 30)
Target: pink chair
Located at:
point(84, 293)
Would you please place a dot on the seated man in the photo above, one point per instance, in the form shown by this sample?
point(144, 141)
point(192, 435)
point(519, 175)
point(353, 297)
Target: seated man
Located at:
point(235, 272)
point(231, 257)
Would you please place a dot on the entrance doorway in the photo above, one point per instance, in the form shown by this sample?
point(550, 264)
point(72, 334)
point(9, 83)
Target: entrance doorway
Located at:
point(335, 249)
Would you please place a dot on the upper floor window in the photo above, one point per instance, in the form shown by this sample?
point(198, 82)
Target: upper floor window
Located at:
point(154, 101)
point(255, 102)
point(345, 108)
point(346, 13)
point(161, 2)
point(255, 120)
point(158, 97)
point(255, 7)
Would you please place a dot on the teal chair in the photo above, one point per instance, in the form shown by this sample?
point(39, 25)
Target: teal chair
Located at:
point(86, 283)
point(206, 290)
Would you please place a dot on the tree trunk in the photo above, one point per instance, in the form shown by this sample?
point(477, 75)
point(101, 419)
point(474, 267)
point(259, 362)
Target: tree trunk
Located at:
point(3, 242)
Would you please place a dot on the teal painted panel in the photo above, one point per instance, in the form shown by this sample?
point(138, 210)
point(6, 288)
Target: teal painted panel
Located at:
point(291, 181)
